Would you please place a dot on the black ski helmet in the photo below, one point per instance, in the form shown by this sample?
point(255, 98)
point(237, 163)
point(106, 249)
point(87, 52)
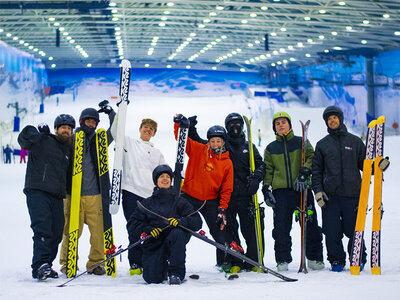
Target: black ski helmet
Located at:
point(64, 119)
point(233, 117)
point(332, 110)
point(216, 131)
point(89, 113)
point(160, 170)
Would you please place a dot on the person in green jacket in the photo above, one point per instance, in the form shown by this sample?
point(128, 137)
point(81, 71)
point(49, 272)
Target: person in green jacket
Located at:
point(284, 180)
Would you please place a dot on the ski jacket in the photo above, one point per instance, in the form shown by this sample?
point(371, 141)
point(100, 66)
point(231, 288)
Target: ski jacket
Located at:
point(168, 204)
point(208, 176)
point(337, 162)
point(48, 162)
point(139, 159)
point(238, 149)
point(282, 159)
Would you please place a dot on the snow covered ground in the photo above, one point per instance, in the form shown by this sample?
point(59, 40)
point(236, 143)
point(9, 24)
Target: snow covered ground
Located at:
point(16, 250)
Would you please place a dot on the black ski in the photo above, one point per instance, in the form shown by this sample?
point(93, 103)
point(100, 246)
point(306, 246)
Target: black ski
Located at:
point(180, 154)
point(224, 248)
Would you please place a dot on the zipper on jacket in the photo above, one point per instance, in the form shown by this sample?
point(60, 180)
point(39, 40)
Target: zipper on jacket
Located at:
point(44, 172)
point(287, 163)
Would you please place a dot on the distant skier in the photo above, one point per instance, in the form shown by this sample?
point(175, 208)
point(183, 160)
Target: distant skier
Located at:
point(287, 178)
point(140, 157)
point(23, 154)
point(336, 181)
point(209, 177)
point(90, 202)
point(7, 152)
point(45, 188)
point(164, 255)
point(259, 137)
point(241, 203)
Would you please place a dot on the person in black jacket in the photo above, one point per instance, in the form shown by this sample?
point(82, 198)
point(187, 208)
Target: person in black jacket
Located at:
point(164, 254)
point(45, 188)
point(336, 181)
point(244, 186)
point(91, 208)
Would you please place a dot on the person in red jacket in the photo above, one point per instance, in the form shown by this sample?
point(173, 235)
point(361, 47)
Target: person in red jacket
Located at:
point(209, 177)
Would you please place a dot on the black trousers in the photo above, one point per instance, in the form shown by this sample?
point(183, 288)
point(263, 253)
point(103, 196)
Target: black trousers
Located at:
point(244, 209)
point(339, 217)
point(129, 205)
point(165, 255)
point(47, 223)
point(287, 201)
point(209, 213)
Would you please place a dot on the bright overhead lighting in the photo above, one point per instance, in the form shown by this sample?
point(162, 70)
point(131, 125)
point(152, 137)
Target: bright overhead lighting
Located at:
point(282, 50)
point(51, 58)
point(56, 24)
point(244, 21)
point(364, 42)
point(214, 68)
point(192, 34)
point(283, 29)
point(253, 15)
point(65, 33)
point(188, 67)
point(51, 19)
point(30, 47)
point(273, 34)
point(337, 48)
point(36, 49)
point(322, 11)
point(168, 66)
point(163, 18)
point(206, 20)
point(307, 18)
point(292, 59)
point(308, 55)
point(223, 37)
point(300, 44)
point(72, 41)
point(264, 7)
point(89, 65)
point(61, 28)
point(114, 11)
point(334, 33)
point(15, 38)
point(219, 7)
point(279, 62)
point(242, 70)
point(53, 65)
point(275, 52)
point(8, 34)
point(112, 4)
point(277, 0)
point(201, 25)
point(21, 42)
point(365, 22)
point(310, 41)
point(115, 19)
point(250, 45)
point(386, 16)
point(342, 3)
point(285, 61)
point(273, 64)
point(212, 14)
point(170, 4)
point(256, 41)
point(147, 65)
point(166, 12)
point(348, 28)
point(326, 51)
point(26, 44)
point(290, 47)
point(162, 24)
point(397, 33)
point(117, 28)
point(68, 37)
point(321, 37)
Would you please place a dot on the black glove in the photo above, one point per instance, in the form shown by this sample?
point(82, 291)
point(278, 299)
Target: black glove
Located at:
point(384, 163)
point(300, 184)
point(44, 128)
point(104, 107)
point(155, 232)
point(178, 118)
point(268, 196)
point(322, 199)
point(193, 121)
point(221, 218)
point(252, 184)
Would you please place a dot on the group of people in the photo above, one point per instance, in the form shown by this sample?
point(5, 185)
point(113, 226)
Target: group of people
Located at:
point(8, 151)
point(217, 184)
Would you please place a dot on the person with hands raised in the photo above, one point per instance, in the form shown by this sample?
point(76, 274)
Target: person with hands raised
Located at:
point(164, 255)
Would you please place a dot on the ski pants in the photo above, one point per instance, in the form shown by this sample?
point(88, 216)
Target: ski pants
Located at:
point(287, 201)
point(47, 222)
point(210, 213)
point(244, 208)
point(339, 217)
point(91, 214)
point(165, 255)
point(129, 205)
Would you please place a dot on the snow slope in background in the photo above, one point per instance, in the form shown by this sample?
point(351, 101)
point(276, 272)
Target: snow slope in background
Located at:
point(16, 250)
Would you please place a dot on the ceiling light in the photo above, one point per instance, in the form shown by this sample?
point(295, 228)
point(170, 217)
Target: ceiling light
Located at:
point(112, 4)
point(285, 61)
point(337, 48)
point(169, 66)
point(30, 47)
point(326, 51)
point(277, 0)
point(247, 61)
point(253, 15)
point(15, 38)
point(250, 45)
point(26, 44)
point(117, 33)
point(321, 37)
point(300, 44)
point(8, 34)
point(242, 70)
point(117, 28)
point(275, 52)
point(53, 65)
point(188, 67)
point(308, 55)
point(334, 33)
point(273, 64)
point(244, 21)
point(365, 22)
point(292, 59)
point(89, 65)
point(117, 37)
point(273, 34)
point(201, 25)
point(213, 14)
point(65, 33)
point(364, 42)
point(72, 41)
point(115, 19)
point(290, 47)
point(348, 28)
point(21, 42)
point(206, 20)
point(61, 28)
point(68, 37)
point(269, 55)
point(170, 4)
point(36, 49)
point(262, 56)
point(386, 16)
point(322, 11)
point(214, 68)
point(310, 41)
point(264, 7)
point(51, 58)
point(164, 18)
point(114, 11)
point(279, 62)
point(282, 50)
point(192, 34)
point(162, 24)
point(56, 24)
point(397, 33)
point(239, 50)
point(147, 65)
point(307, 18)
point(283, 29)
point(342, 3)
point(219, 7)
point(223, 36)
point(166, 12)
point(256, 41)
point(51, 19)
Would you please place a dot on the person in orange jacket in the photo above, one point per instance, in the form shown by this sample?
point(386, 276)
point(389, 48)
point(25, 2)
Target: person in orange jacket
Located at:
point(209, 177)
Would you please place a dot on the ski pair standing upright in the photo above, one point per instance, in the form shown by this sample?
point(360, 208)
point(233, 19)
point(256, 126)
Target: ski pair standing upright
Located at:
point(373, 164)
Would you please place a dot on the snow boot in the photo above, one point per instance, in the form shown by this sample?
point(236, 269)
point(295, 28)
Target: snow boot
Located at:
point(43, 272)
point(337, 266)
point(225, 267)
point(99, 270)
point(283, 266)
point(315, 264)
point(135, 270)
point(174, 280)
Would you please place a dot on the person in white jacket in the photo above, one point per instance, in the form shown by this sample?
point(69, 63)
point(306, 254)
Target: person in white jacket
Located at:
point(140, 157)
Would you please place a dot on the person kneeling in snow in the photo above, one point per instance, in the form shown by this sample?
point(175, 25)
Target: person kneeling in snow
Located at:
point(164, 254)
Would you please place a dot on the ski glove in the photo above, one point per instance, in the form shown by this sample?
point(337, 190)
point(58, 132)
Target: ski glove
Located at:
point(300, 184)
point(193, 121)
point(173, 222)
point(252, 184)
point(322, 199)
point(105, 108)
point(156, 232)
point(43, 128)
point(221, 218)
point(268, 196)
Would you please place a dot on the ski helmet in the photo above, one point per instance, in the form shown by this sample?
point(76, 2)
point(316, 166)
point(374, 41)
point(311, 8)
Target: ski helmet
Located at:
point(333, 110)
point(216, 131)
point(64, 119)
point(278, 115)
point(160, 170)
point(233, 117)
point(89, 113)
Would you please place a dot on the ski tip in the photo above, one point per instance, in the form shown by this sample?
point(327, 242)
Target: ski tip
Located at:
point(372, 124)
point(125, 63)
point(113, 209)
point(380, 120)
